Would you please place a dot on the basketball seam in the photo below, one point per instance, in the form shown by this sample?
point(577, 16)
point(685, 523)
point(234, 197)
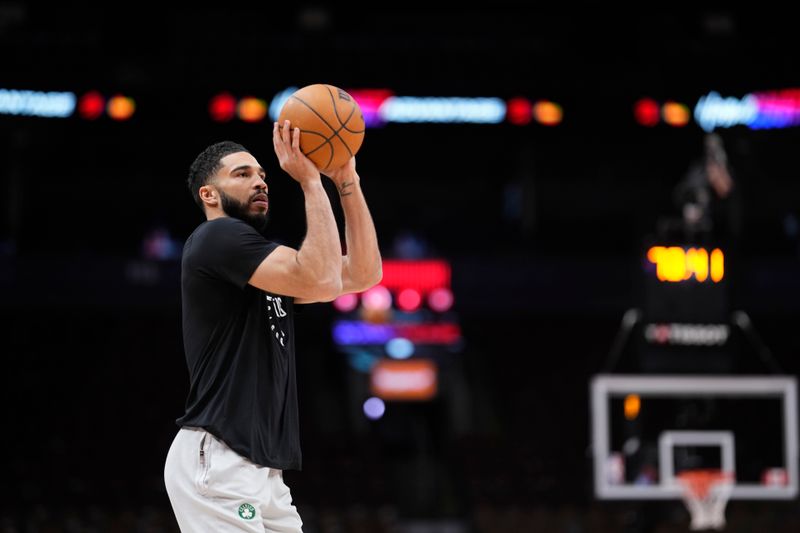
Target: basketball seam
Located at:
point(341, 124)
point(328, 140)
point(325, 142)
point(336, 109)
point(336, 112)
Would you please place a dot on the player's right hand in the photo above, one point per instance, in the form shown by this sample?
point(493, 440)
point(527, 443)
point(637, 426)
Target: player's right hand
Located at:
point(286, 142)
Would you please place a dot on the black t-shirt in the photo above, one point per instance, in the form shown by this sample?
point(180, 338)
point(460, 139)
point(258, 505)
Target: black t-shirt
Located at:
point(239, 344)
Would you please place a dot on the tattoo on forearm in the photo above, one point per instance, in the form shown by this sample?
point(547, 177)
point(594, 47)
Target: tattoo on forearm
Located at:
point(343, 189)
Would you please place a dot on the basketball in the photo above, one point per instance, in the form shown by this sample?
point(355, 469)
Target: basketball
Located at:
point(330, 121)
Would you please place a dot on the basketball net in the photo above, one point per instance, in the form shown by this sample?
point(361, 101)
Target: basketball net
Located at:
point(705, 493)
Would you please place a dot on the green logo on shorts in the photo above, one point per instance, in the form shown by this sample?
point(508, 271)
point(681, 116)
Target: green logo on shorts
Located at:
point(247, 511)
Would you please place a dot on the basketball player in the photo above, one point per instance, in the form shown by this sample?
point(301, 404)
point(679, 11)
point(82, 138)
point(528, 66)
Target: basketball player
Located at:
point(240, 430)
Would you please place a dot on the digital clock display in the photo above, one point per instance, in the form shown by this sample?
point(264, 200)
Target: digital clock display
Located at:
point(677, 264)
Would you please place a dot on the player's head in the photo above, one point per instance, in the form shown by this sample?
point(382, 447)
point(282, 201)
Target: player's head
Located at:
point(226, 179)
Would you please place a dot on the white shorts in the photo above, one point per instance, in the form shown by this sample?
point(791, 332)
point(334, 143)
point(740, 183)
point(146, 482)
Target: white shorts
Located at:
point(213, 488)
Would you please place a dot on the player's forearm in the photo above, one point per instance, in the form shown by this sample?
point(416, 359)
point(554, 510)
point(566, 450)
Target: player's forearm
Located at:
point(363, 254)
point(320, 256)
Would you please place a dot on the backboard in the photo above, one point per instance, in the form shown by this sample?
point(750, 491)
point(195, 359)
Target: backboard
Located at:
point(648, 428)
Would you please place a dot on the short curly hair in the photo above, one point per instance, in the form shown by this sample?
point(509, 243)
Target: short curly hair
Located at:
point(207, 164)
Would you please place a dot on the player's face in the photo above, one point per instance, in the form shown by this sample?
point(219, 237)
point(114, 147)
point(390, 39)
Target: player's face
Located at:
point(242, 189)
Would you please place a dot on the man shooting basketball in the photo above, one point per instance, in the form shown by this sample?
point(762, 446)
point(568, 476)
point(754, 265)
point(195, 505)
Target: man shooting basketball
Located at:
point(240, 429)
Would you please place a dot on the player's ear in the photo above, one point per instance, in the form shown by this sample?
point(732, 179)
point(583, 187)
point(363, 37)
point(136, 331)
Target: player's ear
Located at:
point(209, 195)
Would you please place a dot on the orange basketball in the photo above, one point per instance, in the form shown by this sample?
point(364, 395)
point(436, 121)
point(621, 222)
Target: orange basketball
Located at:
point(330, 121)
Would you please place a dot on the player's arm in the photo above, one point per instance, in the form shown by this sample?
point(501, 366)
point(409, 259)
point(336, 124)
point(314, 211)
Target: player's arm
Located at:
point(361, 267)
point(313, 271)
point(286, 271)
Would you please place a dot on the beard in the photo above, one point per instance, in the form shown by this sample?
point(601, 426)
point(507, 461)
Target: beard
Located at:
point(236, 209)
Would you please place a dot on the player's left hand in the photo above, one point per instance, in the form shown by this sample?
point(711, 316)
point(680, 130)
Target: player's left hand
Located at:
point(343, 174)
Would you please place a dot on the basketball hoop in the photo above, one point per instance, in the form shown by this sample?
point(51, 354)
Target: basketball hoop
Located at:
point(706, 492)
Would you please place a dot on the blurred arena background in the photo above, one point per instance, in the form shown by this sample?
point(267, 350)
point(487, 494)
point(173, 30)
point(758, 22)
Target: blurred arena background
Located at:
point(521, 166)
